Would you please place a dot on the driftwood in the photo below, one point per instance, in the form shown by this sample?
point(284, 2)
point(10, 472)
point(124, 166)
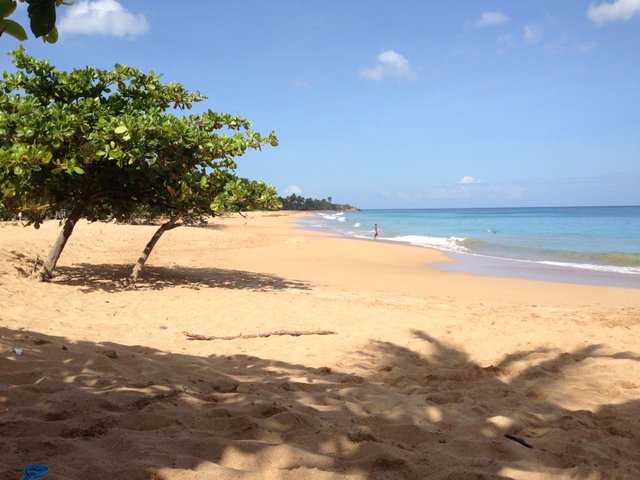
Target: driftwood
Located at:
point(293, 333)
point(519, 440)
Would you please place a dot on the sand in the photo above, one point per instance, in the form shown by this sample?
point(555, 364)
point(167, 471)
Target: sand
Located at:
point(425, 375)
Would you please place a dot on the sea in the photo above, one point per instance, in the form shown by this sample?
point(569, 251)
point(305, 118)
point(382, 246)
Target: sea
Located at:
point(585, 245)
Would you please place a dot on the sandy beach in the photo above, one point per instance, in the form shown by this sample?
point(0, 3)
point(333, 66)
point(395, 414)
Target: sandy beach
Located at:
point(427, 374)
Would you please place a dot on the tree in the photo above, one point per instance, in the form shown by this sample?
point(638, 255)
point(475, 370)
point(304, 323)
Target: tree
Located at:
point(203, 193)
point(298, 202)
point(42, 19)
point(103, 143)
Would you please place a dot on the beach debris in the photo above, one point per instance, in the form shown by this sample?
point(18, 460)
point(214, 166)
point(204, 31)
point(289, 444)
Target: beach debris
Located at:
point(519, 440)
point(33, 470)
point(293, 333)
point(18, 350)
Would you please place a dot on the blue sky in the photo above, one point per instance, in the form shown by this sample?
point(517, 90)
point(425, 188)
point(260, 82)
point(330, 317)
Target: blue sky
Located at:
point(387, 104)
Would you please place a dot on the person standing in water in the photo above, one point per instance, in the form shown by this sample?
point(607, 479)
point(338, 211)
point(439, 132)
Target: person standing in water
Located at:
point(375, 231)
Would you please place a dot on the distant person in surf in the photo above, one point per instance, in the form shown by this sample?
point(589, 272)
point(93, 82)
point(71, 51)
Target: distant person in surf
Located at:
point(375, 231)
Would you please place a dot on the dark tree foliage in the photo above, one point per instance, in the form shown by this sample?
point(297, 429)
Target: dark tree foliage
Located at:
point(298, 202)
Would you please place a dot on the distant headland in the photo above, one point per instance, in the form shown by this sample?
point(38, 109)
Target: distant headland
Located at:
point(297, 202)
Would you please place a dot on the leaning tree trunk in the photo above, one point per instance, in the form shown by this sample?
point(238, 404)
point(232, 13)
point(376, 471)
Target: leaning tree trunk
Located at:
point(171, 224)
point(45, 272)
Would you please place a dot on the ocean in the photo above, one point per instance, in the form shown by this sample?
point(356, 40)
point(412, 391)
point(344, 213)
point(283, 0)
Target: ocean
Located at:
point(592, 245)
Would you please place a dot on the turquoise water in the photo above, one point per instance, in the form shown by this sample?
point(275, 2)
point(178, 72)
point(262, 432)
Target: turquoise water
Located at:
point(597, 239)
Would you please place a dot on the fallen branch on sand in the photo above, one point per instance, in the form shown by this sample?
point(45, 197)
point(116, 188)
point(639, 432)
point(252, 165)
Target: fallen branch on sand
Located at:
point(293, 333)
point(519, 440)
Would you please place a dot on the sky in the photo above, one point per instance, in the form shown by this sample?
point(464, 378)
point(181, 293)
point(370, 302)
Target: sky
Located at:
point(396, 104)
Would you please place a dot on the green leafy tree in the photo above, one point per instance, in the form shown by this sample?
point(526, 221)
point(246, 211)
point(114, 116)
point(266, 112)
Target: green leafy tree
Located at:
point(200, 194)
point(298, 202)
point(42, 19)
point(105, 143)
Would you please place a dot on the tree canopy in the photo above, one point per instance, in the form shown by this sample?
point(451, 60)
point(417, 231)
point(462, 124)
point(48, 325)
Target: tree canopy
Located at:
point(108, 143)
point(298, 202)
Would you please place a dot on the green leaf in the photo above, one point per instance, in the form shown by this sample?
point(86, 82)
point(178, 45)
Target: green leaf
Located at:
point(7, 7)
point(52, 36)
point(120, 130)
point(43, 16)
point(78, 170)
point(55, 171)
point(14, 29)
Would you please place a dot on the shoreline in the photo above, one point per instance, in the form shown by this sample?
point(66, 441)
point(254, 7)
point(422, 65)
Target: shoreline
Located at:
point(487, 265)
point(423, 367)
point(531, 270)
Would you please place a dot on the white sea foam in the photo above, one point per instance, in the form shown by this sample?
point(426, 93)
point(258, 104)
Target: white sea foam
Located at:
point(357, 224)
point(333, 216)
point(328, 216)
point(580, 266)
point(442, 243)
point(588, 266)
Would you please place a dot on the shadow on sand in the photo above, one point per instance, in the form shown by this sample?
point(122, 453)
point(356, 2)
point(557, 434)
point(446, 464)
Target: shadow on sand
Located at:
point(112, 411)
point(107, 277)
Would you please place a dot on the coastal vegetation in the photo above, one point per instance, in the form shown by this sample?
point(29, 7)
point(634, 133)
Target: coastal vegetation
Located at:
point(108, 144)
point(298, 202)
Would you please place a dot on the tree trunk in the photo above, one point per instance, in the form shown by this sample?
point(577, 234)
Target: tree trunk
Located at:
point(171, 224)
point(45, 272)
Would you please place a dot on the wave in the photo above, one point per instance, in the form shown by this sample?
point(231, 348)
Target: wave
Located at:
point(332, 216)
point(537, 254)
point(613, 259)
point(627, 263)
point(598, 268)
point(453, 244)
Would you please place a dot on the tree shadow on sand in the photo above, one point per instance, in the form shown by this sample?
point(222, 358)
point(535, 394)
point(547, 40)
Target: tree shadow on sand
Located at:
point(108, 277)
point(111, 411)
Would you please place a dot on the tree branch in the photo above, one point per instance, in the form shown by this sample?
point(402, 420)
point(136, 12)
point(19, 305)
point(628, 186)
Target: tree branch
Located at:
point(293, 333)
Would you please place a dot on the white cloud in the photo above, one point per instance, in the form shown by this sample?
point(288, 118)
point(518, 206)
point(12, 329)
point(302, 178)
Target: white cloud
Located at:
point(291, 189)
point(390, 64)
point(533, 34)
point(491, 19)
point(611, 12)
point(102, 17)
point(467, 180)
